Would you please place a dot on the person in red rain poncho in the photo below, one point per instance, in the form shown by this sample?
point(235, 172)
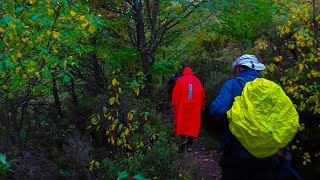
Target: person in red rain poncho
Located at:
point(187, 102)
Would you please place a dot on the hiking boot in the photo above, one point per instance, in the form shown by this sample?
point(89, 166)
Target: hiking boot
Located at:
point(189, 149)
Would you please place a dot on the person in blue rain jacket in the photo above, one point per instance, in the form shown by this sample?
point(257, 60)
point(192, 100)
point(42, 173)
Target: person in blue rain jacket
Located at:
point(236, 162)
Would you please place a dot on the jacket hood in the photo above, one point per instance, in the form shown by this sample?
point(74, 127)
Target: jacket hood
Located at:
point(187, 71)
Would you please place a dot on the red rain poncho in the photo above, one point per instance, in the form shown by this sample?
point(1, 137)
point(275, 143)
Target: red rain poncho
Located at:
point(188, 101)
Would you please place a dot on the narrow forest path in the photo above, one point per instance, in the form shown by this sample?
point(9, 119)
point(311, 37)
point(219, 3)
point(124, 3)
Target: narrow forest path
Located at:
point(202, 163)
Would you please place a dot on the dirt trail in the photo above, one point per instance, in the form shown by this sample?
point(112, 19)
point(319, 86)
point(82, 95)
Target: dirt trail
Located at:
point(201, 162)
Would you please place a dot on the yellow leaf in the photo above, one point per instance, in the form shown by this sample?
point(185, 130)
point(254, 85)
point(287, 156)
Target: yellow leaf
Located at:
point(91, 165)
point(93, 120)
point(50, 11)
point(129, 147)
point(130, 116)
point(137, 92)
point(37, 74)
point(290, 89)
point(114, 82)
point(82, 17)
point(112, 100)
point(293, 147)
point(120, 91)
point(12, 25)
point(39, 39)
point(287, 30)
point(73, 13)
point(304, 163)
point(19, 55)
point(126, 132)
point(56, 35)
point(301, 66)
point(314, 73)
point(84, 25)
point(306, 154)
point(13, 58)
point(10, 36)
point(301, 87)
point(48, 32)
point(92, 28)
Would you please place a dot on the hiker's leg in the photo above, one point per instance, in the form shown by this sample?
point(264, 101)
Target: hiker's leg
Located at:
point(190, 140)
point(261, 169)
point(189, 143)
point(184, 142)
point(233, 168)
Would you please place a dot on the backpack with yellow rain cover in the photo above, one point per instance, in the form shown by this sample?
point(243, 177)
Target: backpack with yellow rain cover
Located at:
point(263, 118)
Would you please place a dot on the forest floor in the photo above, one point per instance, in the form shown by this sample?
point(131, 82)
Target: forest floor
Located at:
point(202, 162)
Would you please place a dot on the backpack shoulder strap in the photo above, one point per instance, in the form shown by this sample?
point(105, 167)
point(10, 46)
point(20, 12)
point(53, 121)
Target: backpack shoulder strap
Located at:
point(241, 81)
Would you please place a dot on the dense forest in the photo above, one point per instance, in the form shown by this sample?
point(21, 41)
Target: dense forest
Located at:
point(83, 83)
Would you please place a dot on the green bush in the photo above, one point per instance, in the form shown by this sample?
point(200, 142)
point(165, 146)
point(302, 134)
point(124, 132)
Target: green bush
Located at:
point(154, 154)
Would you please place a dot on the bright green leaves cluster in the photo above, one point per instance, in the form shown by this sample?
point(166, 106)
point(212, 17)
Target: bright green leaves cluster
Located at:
point(4, 165)
point(243, 20)
point(41, 38)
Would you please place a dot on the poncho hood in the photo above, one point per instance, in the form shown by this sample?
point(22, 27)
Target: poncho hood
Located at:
point(187, 71)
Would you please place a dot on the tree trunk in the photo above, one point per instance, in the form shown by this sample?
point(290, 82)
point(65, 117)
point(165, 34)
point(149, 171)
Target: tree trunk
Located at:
point(56, 95)
point(73, 93)
point(97, 70)
point(315, 25)
point(141, 38)
point(17, 138)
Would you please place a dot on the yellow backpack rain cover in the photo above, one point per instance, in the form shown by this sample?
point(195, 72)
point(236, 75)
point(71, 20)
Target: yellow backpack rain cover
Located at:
point(263, 118)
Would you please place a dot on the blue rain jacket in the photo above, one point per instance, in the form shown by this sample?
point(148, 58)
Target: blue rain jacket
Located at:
point(223, 103)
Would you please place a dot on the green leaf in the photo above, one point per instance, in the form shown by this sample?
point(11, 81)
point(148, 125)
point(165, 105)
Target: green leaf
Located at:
point(45, 21)
point(122, 175)
point(66, 79)
point(35, 17)
point(10, 96)
point(5, 169)
point(14, 160)
point(6, 19)
point(3, 159)
point(19, 9)
point(1, 65)
point(139, 177)
point(98, 128)
point(9, 64)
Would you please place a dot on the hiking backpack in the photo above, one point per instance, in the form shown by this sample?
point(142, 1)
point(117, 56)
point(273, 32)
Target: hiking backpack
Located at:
point(263, 118)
